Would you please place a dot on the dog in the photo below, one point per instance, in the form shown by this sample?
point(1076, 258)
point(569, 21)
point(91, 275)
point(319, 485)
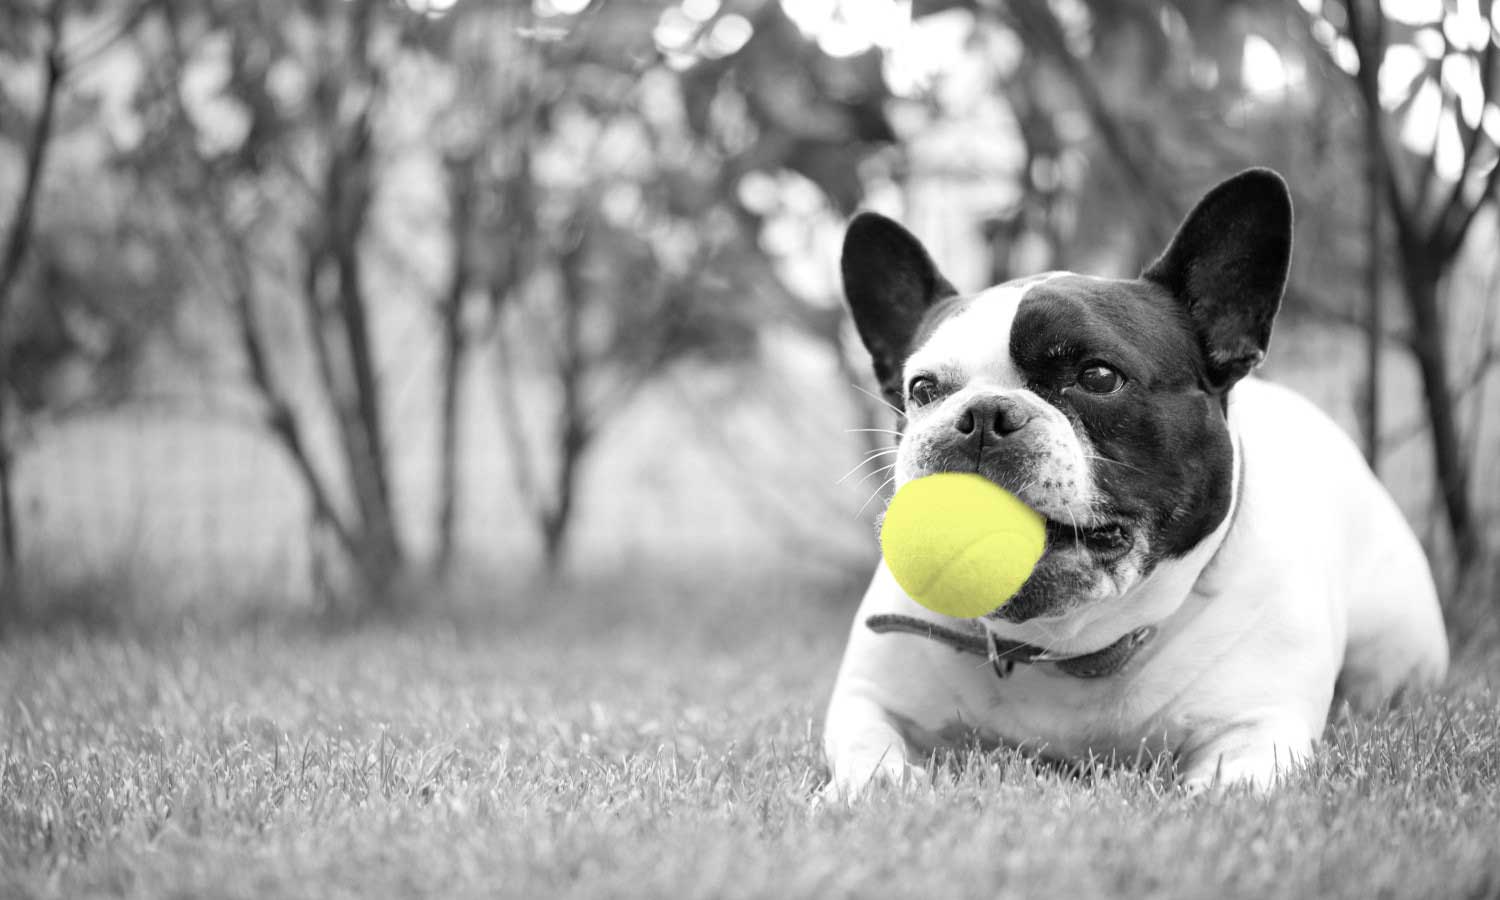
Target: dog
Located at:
point(1220, 562)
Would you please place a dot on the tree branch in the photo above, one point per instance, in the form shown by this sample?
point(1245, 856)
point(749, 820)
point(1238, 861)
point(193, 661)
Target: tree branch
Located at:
point(87, 49)
point(1452, 238)
point(282, 420)
point(1324, 312)
point(1036, 21)
point(18, 238)
point(1445, 221)
point(279, 416)
point(523, 467)
point(1369, 49)
point(1447, 104)
point(1472, 381)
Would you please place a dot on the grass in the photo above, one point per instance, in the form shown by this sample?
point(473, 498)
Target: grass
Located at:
point(656, 742)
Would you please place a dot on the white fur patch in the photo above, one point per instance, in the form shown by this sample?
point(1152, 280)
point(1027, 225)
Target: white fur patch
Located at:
point(969, 352)
point(968, 340)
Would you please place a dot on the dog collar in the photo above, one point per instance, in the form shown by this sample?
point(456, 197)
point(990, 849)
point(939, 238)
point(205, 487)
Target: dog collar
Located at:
point(1004, 655)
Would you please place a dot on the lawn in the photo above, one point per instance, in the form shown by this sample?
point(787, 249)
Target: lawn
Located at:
point(647, 736)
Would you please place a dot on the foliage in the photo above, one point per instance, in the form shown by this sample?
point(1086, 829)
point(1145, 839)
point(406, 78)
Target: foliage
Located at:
point(578, 198)
point(1156, 98)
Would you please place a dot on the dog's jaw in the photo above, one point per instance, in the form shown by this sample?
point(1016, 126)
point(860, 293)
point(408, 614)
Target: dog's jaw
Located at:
point(1132, 601)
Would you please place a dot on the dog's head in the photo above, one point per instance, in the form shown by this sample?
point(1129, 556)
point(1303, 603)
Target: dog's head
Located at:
point(1099, 402)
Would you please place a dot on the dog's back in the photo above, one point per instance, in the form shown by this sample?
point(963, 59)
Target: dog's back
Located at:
point(1393, 629)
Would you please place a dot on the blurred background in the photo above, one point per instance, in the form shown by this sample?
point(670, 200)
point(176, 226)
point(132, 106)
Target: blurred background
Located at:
point(337, 304)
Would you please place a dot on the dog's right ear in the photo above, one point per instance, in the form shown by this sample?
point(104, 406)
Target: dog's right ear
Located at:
point(1227, 266)
point(890, 283)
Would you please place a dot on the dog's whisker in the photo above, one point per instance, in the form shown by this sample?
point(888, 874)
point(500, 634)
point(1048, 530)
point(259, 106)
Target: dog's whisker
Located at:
point(873, 431)
point(886, 403)
point(874, 455)
point(1116, 462)
point(874, 472)
point(872, 496)
point(1048, 633)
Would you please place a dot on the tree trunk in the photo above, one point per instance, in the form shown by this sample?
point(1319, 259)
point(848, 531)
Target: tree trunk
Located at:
point(557, 519)
point(349, 185)
point(1421, 283)
point(18, 240)
point(1039, 27)
point(455, 351)
point(19, 237)
point(9, 577)
point(1374, 324)
point(349, 199)
point(346, 363)
point(556, 511)
point(372, 471)
point(281, 419)
point(10, 541)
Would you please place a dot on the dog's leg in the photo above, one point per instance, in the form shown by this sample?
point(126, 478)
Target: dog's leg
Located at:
point(864, 745)
point(1254, 754)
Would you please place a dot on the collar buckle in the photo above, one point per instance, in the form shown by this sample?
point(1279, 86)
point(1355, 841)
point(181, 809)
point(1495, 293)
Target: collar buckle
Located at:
point(999, 661)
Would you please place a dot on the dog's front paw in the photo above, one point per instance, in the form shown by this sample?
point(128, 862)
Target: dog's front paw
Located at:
point(1258, 758)
point(855, 778)
point(863, 746)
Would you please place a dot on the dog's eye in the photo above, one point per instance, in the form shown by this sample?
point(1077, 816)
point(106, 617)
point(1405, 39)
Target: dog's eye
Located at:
point(922, 390)
point(1097, 378)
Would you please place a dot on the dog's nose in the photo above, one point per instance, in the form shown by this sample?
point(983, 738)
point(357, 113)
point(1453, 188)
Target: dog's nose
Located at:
point(993, 417)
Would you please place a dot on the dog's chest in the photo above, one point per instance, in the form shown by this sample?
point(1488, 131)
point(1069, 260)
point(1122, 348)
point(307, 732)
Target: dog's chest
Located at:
point(1042, 709)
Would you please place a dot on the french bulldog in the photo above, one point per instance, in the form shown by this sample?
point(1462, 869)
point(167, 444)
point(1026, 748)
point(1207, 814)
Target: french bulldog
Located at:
point(1220, 563)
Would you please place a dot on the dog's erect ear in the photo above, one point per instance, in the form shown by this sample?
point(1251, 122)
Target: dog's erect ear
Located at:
point(1228, 265)
point(890, 282)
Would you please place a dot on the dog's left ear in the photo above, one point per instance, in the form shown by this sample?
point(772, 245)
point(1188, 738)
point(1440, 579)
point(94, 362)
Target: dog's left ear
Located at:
point(1228, 265)
point(890, 283)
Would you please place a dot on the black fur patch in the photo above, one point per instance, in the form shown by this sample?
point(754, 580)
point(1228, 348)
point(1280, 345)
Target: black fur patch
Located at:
point(1227, 265)
point(1167, 461)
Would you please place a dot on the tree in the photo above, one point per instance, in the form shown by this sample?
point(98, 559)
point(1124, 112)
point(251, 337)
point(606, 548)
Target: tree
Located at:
point(486, 137)
point(305, 166)
point(1137, 95)
point(67, 272)
point(1431, 213)
point(18, 238)
point(653, 257)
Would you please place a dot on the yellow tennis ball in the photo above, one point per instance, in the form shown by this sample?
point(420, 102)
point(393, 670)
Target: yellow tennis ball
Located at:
point(959, 544)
